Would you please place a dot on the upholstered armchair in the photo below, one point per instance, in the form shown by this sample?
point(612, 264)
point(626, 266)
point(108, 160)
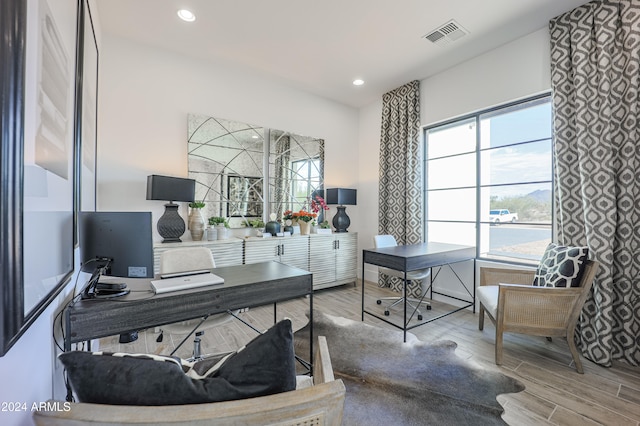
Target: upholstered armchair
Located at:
point(513, 304)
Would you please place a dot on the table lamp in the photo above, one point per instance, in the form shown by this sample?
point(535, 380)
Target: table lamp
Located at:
point(170, 226)
point(343, 197)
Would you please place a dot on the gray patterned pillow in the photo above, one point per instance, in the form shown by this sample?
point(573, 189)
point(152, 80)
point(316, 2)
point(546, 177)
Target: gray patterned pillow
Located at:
point(561, 266)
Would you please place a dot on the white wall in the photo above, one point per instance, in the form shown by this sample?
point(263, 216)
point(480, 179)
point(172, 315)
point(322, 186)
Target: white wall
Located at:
point(513, 71)
point(146, 94)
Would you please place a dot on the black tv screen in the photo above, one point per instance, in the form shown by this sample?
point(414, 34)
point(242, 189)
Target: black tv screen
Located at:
point(123, 240)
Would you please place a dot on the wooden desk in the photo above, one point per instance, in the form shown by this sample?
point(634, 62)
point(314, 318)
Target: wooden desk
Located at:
point(413, 257)
point(244, 286)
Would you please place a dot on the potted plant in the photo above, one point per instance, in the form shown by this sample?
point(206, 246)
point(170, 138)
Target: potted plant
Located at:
point(218, 221)
point(258, 225)
point(196, 223)
point(221, 224)
point(324, 228)
point(304, 218)
point(318, 206)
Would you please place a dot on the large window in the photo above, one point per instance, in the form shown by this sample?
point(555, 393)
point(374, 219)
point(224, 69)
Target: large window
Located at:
point(489, 180)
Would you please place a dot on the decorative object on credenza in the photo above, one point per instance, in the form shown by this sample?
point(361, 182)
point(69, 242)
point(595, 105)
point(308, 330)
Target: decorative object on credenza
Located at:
point(304, 221)
point(324, 228)
point(318, 205)
point(196, 221)
point(272, 227)
point(258, 226)
point(221, 224)
point(212, 233)
point(167, 188)
point(288, 226)
point(342, 197)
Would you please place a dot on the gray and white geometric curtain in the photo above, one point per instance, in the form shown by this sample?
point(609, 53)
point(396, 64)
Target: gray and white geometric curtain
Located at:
point(595, 72)
point(400, 188)
point(283, 175)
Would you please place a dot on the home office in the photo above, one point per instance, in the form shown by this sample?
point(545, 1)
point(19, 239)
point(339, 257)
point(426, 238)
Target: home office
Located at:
point(147, 92)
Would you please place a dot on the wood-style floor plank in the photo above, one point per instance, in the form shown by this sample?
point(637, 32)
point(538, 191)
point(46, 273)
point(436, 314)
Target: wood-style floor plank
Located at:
point(555, 393)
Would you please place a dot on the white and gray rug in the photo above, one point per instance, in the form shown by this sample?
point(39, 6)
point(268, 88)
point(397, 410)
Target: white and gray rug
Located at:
point(415, 383)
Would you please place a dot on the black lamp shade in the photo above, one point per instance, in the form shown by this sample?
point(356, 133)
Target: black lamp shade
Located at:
point(168, 188)
point(341, 196)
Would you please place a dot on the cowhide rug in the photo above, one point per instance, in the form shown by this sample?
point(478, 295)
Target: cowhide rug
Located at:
point(414, 383)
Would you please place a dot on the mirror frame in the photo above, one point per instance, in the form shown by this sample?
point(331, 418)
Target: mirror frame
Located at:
point(13, 22)
point(13, 26)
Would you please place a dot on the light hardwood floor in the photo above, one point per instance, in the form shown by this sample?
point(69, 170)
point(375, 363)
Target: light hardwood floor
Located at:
point(554, 394)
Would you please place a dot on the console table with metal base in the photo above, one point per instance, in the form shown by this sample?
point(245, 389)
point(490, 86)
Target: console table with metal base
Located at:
point(413, 257)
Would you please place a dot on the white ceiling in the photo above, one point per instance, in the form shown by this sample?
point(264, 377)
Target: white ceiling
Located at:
point(322, 46)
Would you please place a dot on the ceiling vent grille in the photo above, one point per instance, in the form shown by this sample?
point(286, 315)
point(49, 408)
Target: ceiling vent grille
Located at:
point(447, 33)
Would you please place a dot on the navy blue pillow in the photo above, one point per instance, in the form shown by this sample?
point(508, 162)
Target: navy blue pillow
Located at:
point(265, 366)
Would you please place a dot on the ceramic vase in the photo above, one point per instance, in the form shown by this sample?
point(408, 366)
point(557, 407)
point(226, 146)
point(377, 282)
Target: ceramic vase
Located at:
point(196, 224)
point(212, 233)
point(222, 232)
point(305, 227)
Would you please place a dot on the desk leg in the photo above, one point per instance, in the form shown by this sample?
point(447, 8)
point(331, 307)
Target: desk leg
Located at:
point(474, 286)
point(362, 319)
point(311, 333)
point(404, 294)
point(67, 334)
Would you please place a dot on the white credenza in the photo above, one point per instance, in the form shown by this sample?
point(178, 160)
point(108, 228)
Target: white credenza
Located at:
point(292, 251)
point(333, 259)
point(225, 252)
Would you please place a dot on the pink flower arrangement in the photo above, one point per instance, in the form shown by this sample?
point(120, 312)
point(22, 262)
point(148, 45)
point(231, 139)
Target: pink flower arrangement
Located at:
point(317, 204)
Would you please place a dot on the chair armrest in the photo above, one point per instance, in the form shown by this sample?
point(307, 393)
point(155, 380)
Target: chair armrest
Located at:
point(321, 404)
point(322, 369)
point(495, 276)
point(545, 311)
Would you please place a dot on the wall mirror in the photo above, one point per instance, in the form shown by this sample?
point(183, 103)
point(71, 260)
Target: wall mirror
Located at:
point(47, 52)
point(245, 172)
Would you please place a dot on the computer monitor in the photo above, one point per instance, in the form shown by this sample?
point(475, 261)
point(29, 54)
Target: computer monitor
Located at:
point(121, 241)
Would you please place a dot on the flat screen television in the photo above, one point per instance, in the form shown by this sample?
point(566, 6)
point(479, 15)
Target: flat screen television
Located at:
point(118, 243)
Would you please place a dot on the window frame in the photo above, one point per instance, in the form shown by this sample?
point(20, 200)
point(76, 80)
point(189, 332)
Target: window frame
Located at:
point(476, 117)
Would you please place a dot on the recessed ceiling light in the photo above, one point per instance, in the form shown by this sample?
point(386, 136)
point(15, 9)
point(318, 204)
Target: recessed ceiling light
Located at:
point(358, 82)
point(186, 15)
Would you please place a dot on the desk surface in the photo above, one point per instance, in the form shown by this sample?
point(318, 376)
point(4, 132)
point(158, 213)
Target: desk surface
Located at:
point(245, 286)
point(411, 257)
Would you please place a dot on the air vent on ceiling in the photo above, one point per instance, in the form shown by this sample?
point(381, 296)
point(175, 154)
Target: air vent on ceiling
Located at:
point(447, 33)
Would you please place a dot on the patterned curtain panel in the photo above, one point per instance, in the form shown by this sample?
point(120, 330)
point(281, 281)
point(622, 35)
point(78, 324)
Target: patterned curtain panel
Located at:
point(320, 190)
point(595, 57)
point(400, 203)
point(283, 175)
